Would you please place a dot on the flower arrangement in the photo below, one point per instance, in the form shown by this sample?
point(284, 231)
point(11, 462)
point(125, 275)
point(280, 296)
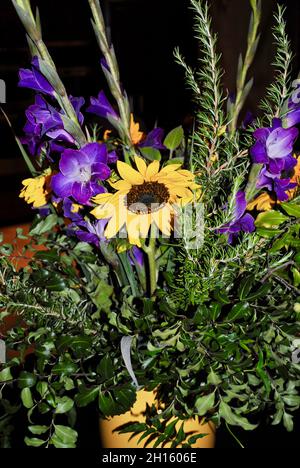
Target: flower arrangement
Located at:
point(169, 263)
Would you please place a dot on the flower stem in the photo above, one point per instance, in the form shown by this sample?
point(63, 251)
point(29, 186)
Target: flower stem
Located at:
point(151, 254)
point(244, 88)
point(112, 74)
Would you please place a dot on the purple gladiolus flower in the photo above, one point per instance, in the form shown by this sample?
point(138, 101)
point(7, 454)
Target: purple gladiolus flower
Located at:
point(44, 120)
point(34, 79)
point(154, 139)
point(71, 211)
point(292, 116)
point(42, 117)
point(80, 173)
point(102, 107)
point(77, 103)
point(136, 256)
point(274, 146)
point(241, 222)
point(275, 184)
point(112, 157)
point(92, 233)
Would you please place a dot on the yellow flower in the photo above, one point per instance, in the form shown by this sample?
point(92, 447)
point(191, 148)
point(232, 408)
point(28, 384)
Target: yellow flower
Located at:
point(144, 196)
point(262, 203)
point(135, 133)
point(295, 180)
point(36, 190)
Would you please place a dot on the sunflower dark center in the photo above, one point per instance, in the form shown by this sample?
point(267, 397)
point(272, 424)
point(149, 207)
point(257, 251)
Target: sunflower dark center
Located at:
point(147, 198)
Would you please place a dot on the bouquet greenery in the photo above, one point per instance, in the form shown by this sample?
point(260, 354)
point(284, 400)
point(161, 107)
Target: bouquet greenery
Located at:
point(168, 263)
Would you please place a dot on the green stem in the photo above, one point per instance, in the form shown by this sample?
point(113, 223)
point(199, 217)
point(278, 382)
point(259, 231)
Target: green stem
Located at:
point(114, 74)
point(151, 254)
point(243, 89)
point(24, 11)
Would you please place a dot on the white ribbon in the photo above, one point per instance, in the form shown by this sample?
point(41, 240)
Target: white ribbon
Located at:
point(126, 343)
point(2, 352)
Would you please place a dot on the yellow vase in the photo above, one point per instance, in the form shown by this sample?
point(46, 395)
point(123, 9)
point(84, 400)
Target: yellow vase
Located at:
point(112, 439)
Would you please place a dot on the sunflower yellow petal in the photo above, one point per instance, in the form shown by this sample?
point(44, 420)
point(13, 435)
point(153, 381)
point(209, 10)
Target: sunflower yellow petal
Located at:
point(129, 174)
point(141, 165)
point(152, 170)
point(167, 170)
point(162, 220)
point(120, 185)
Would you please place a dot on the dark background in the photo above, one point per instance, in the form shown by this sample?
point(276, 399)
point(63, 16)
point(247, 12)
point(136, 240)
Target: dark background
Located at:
point(144, 33)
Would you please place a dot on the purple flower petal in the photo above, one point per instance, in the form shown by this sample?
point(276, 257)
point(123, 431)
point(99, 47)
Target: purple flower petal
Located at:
point(247, 223)
point(280, 142)
point(101, 171)
point(259, 153)
point(102, 107)
point(77, 103)
point(82, 192)
point(61, 185)
point(95, 152)
point(112, 157)
point(154, 139)
point(240, 205)
point(33, 79)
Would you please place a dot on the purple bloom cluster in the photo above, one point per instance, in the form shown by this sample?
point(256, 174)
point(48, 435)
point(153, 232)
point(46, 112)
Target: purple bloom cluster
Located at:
point(81, 173)
point(241, 222)
point(44, 127)
point(274, 149)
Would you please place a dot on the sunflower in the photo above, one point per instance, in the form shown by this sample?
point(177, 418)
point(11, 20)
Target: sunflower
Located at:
point(144, 197)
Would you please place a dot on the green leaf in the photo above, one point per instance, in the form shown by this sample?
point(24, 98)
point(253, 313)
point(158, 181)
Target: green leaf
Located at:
point(42, 388)
point(38, 430)
point(65, 367)
point(261, 292)
point(204, 404)
point(106, 404)
point(5, 375)
point(238, 311)
point(213, 378)
point(86, 396)
point(292, 209)
point(245, 287)
point(233, 419)
point(152, 154)
point(26, 398)
point(34, 442)
point(45, 225)
point(66, 434)
point(292, 400)
point(26, 379)
point(63, 405)
point(174, 139)
point(270, 219)
point(268, 233)
point(105, 368)
point(58, 443)
point(288, 422)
